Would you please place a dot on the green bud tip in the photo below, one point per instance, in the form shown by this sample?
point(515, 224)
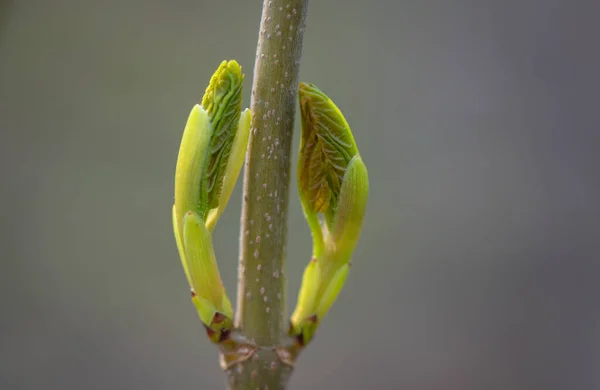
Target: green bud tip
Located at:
point(223, 103)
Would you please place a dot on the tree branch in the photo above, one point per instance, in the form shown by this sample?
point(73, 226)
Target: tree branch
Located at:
point(260, 359)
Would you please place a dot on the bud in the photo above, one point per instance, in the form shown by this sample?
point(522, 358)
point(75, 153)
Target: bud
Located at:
point(333, 185)
point(210, 158)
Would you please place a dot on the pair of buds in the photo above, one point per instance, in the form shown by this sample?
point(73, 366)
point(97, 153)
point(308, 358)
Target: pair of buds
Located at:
point(332, 181)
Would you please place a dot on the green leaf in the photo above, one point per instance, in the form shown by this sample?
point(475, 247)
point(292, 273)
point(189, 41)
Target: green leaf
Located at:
point(223, 103)
point(308, 296)
point(326, 148)
point(350, 211)
point(190, 164)
point(234, 166)
point(208, 293)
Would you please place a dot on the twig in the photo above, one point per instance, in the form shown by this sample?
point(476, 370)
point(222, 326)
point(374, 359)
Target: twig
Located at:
point(259, 358)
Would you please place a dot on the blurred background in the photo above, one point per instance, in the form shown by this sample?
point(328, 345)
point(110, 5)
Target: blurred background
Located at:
point(479, 262)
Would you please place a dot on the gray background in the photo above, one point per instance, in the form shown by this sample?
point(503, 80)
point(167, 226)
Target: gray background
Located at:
point(478, 120)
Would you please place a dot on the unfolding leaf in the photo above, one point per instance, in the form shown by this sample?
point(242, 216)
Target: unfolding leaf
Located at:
point(326, 148)
point(223, 103)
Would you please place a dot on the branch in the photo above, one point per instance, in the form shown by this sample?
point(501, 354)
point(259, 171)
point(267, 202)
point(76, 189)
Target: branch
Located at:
point(259, 358)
